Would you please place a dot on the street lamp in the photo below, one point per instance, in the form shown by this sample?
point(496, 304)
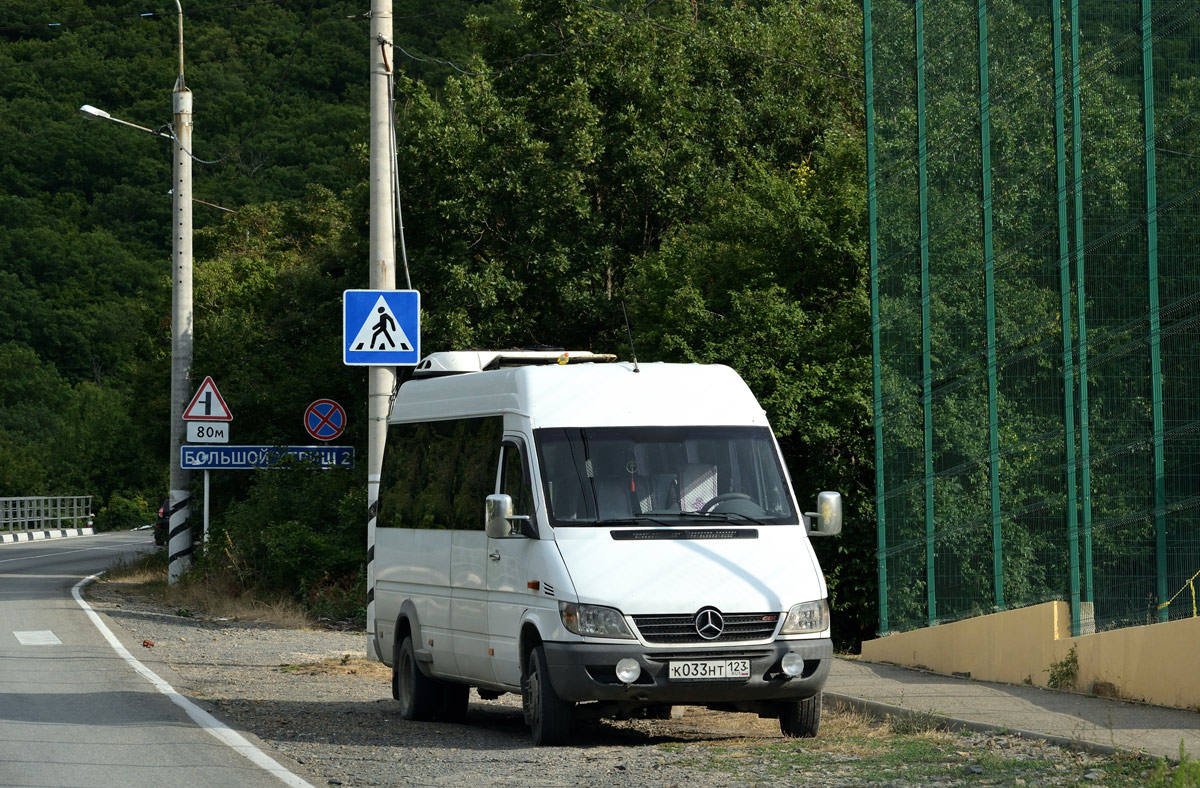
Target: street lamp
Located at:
point(179, 544)
point(90, 112)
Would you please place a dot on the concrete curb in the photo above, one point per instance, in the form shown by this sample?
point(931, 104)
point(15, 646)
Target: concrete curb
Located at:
point(46, 533)
point(882, 710)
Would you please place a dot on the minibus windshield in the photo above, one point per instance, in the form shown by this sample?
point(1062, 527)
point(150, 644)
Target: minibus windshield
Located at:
point(663, 476)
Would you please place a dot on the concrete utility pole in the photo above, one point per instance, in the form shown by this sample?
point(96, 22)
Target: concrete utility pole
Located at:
point(179, 543)
point(381, 380)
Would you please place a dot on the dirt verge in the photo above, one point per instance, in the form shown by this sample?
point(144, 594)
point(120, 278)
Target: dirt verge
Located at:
point(320, 708)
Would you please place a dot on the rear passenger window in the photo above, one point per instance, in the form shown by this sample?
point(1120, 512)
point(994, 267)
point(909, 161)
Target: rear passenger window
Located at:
point(437, 474)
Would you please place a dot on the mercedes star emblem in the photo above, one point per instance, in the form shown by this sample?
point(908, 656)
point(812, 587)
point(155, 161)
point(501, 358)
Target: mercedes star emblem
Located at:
point(710, 623)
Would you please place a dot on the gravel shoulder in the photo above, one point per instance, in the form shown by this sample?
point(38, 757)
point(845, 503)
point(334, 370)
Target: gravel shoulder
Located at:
point(318, 706)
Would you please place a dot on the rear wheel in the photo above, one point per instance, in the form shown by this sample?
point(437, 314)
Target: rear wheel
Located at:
point(801, 719)
point(548, 715)
point(417, 693)
point(452, 702)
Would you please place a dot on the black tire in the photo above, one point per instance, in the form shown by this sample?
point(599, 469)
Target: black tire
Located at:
point(417, 693)
point(548, 715)
point(801, 719)
point(452, 702)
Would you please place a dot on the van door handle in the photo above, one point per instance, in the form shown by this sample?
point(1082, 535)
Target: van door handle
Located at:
point(495, 555)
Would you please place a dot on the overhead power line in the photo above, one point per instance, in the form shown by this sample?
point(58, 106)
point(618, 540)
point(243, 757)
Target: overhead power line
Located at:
point(142, 15)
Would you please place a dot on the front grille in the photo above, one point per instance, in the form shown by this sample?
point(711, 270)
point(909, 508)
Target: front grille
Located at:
point(751, 654)
point(684, 533)
point(681, 628)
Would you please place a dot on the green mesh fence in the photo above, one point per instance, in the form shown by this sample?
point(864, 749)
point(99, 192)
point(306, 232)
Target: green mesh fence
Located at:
point(1034, 196)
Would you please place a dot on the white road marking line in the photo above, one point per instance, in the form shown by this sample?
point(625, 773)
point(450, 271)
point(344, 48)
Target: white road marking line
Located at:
point(42, 637)
point(220, 730)
point(35, 556)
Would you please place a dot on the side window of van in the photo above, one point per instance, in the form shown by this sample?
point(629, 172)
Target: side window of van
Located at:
point(514, 481)
point(435, 474)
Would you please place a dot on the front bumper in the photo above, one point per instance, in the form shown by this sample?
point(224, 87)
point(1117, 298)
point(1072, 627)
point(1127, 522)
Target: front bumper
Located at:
point(586, 671)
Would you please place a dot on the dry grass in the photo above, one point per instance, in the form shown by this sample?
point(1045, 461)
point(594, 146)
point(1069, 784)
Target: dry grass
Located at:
point(845, 721)
point(346, 665)
point(204, 597)
point(212, 596)
point(850, 732)
point(141, 572)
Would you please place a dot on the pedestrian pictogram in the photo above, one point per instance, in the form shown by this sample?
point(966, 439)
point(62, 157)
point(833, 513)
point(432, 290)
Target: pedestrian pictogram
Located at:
point(325, 419)
point(208, 404)
point(381, 327)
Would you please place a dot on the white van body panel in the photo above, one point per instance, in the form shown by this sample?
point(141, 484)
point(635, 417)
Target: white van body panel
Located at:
point(588, 395)
point(770, 573)
point(513, 602)
point(473, 601)
point(424, 574)
point(469, 605)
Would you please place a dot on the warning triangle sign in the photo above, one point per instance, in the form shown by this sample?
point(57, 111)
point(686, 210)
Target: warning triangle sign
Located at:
point(381, 331)
point(207, 405)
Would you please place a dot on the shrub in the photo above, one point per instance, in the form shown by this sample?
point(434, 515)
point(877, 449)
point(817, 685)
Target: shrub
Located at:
point(1064, 673)
point(1186, 774)
point(298, 530)
point(124, 513)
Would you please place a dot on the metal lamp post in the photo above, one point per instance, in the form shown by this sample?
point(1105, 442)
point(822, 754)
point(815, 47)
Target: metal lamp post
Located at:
point(179, 545)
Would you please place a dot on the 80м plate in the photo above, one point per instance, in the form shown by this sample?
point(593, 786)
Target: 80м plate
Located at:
point(708, 669)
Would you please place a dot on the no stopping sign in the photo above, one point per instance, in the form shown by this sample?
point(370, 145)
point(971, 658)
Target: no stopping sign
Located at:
point(325, 420)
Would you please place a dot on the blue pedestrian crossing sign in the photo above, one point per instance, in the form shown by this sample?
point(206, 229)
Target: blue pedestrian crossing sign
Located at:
point(381, 328)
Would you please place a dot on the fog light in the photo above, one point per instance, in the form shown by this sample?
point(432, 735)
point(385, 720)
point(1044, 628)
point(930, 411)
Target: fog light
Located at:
point(793, 664)
point(628, 670)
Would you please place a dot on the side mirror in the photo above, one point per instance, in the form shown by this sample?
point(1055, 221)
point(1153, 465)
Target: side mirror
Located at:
point(499, 521)
point(827, 520)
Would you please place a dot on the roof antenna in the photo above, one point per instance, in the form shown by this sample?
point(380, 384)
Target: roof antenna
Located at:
point(629, 331)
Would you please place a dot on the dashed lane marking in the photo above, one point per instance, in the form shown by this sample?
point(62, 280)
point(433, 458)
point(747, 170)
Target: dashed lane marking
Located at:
point(42, 637)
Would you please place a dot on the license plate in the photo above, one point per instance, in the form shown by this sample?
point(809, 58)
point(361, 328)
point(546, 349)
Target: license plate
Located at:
point(708, 669)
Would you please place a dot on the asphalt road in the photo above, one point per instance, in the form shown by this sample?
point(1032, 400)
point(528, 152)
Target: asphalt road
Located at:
point(74, 712)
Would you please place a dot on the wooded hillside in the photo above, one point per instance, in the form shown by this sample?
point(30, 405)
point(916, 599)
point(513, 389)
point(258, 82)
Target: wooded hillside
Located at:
point(700, 162)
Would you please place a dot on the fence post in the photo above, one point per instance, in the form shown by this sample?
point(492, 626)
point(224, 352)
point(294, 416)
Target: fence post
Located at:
point(1156, 397)
point(926, 352)
point(989, 280)
point(876, 368)
point(1064, 285)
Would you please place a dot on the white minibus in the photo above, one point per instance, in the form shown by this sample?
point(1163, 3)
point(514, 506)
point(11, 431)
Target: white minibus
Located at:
point(602, 538)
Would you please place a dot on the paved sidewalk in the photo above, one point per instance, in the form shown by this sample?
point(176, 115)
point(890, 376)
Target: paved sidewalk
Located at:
point(1062, 717)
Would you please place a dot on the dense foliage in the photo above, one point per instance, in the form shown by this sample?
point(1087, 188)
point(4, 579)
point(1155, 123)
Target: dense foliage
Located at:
point(698, 166)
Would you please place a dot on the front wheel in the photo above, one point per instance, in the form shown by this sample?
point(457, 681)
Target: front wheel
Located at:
point(801, 719)
point(548, 715)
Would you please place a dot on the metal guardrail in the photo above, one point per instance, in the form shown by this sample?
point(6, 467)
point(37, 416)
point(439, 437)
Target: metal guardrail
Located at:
point(34, 513)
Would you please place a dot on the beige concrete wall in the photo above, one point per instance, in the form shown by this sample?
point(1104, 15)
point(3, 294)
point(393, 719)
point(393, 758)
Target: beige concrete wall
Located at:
point(1154, 663)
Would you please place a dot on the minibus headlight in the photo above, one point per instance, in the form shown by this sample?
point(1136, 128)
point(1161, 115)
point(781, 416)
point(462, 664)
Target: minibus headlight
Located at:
point(806, 617)
point(593, 621)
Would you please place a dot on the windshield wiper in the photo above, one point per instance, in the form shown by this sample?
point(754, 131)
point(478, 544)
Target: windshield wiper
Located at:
point(725, 516)
point(634, 520)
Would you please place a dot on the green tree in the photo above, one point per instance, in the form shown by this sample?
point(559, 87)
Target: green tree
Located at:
point(703, 165)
